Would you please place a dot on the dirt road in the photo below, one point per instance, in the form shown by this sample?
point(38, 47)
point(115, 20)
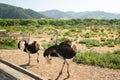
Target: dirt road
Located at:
point(51, 71)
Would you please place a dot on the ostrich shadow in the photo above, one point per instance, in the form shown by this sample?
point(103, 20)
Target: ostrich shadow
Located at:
point(25, 66)
point(64, 78)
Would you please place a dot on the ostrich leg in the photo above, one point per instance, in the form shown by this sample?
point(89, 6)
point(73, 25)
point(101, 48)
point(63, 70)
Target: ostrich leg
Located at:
point(60, 71)
point(67, 69)
point(62, 68)
point(29, 59)
point(37, 57)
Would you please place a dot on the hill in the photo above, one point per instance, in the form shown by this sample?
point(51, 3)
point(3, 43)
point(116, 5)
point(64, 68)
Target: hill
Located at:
point(9, 11)
point(55, 14)
point(88, 14)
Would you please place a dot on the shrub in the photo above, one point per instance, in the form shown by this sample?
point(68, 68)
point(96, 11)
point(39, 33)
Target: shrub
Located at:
point(103, 60)
point(116, 52)
point(68, 33)
point(109, 43)
point(90, 42)
point(8, 43)
point(87, 35)
point(117, 41)
point(102, 39)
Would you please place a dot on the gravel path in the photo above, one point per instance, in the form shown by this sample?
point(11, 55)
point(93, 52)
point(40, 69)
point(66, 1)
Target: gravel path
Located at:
point(51, 71)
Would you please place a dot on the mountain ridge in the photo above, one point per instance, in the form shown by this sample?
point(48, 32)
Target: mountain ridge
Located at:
point(9, 11)
point(86, 14)
point(14, 12)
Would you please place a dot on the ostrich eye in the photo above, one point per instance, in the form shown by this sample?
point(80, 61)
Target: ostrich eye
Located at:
point(51, 38)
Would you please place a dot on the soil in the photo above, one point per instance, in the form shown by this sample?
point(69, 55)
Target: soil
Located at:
point(51, 71)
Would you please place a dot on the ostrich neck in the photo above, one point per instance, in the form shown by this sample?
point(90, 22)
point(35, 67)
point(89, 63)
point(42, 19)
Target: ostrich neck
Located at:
point(56, 38)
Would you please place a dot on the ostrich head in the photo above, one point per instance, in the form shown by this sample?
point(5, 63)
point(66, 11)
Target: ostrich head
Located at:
point(55, 35)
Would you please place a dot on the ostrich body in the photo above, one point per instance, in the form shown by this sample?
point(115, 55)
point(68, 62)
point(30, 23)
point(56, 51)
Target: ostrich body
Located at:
point(30, 48)
point(64, 50)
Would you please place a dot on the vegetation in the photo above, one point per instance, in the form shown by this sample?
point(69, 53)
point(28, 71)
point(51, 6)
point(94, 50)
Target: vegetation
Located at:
point(110, 60)
point(104, 42)
point(14, 12)
point(85, 28)
point(8, 43)
point(91, 32)
point(90, 42)
point(8, 11)
point(108, 42)
point(54, 22)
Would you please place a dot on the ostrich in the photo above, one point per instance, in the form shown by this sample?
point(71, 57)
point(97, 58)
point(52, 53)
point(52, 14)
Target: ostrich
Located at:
point(64, 50)
point(30, 48)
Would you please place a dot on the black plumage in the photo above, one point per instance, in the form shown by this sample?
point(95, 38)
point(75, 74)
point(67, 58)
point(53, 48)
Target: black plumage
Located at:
point(30, 48)
point(63, 50)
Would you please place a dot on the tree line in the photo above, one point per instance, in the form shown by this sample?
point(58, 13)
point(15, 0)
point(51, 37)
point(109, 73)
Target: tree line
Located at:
point(58, 22)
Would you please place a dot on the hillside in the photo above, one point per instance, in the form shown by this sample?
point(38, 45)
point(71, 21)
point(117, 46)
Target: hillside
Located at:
point(88, 14)
point(8, 11)
point(55, 14)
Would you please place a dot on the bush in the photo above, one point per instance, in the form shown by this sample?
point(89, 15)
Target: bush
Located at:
point(109, 43)
point(68, 33)
point(87, 35)
point(116, 52)
point(103, 60)
point(117, 41)
point(8, 43)
point(102, 39)
point(90, 42)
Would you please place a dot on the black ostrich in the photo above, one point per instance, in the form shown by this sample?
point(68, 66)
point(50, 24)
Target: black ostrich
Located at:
point(30, 48)
point(64, 50)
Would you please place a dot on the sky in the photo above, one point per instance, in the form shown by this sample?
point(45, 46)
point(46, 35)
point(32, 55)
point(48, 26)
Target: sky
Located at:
point(67, 5)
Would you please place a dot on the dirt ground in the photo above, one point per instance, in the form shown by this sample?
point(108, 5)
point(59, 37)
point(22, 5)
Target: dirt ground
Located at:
point(51, 71)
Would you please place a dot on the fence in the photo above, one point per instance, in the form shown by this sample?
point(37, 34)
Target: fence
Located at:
point(4, 35)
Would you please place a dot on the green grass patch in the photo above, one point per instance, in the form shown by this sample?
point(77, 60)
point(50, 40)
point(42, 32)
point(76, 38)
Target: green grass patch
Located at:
point(8, 43)
point(109, 43)
point(109, 60)
point(117, 41)
point(90, 42)
point(104, 42)
point(116, 52)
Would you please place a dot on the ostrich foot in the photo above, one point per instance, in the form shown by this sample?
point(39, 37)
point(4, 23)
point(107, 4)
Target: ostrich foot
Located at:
point(37, 61)
point(28, 64)
point(59, 75)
